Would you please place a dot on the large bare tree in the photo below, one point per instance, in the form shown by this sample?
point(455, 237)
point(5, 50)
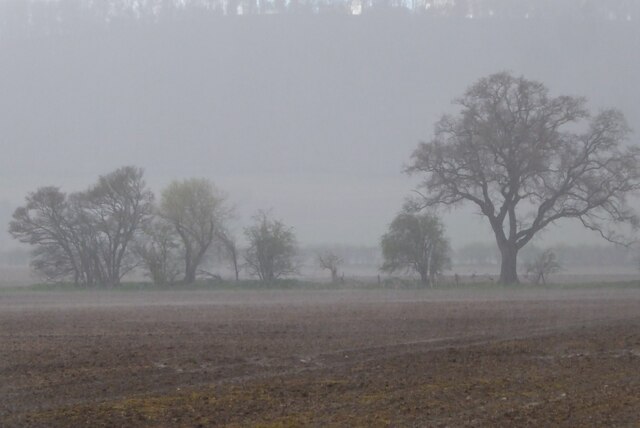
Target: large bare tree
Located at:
point(527, 160)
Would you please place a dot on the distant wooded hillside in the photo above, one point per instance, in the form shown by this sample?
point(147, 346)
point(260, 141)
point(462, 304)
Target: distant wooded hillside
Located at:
point(37, 17)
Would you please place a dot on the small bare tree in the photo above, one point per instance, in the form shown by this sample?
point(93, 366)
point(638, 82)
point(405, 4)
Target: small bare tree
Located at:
point(272, 248)
point(519, 156)
point(543, 265)
point(159, 252)
point(46, 222)
point(331, 262)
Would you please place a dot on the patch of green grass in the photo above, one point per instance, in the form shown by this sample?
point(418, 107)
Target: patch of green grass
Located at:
point(299, 284)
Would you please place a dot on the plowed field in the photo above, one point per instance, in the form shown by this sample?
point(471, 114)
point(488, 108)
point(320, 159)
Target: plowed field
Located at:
point(314, 358)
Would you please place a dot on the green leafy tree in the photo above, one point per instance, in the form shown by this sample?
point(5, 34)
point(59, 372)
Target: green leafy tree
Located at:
point(416, 243)
point(195, 209)
point(272, 248)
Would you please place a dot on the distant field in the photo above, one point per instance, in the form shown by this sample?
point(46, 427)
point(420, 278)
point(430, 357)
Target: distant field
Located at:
point(16, 276)
point(491, 357)
point(12, 276)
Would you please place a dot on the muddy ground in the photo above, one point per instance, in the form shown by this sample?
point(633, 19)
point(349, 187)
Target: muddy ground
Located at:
point(284, 358)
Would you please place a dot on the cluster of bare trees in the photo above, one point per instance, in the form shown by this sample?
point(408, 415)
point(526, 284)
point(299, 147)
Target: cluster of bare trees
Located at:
point(86, 236)
point(525, 159)
point(97, 236)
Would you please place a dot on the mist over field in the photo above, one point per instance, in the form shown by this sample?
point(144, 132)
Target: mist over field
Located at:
point(312, 115)
point(254, 213)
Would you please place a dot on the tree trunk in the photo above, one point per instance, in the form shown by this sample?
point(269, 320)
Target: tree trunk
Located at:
point(236, 269)
point(190, 275)
point(509, 264)
point(424, 279)
point(233, 253)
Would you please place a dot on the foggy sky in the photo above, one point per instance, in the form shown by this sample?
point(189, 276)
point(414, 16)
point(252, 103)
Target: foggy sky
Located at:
point(312, 116)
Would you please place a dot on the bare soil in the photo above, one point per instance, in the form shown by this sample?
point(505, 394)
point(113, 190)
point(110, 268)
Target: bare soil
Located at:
point(397, 358)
